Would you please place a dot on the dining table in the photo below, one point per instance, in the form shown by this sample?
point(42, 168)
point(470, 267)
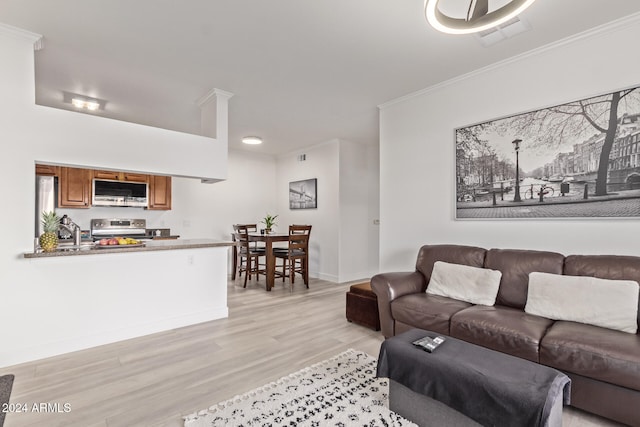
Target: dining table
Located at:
point(269, 239)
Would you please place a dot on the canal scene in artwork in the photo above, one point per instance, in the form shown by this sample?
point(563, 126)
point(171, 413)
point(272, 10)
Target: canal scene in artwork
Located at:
point(579, 159)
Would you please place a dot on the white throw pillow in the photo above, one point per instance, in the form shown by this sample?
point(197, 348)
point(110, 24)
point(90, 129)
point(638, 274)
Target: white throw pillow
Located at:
point(465, 283)
point(606, 303)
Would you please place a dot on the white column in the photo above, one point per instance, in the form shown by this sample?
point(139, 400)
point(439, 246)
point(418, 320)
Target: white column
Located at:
point(214, 114)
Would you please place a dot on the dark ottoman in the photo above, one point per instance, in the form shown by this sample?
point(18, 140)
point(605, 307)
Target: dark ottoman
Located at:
point(485, 386)
point(362, 306)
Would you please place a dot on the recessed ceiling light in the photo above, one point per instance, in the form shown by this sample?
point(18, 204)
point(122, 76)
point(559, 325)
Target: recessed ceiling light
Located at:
point(85, 104)
point(252, 140)
point(478, 16)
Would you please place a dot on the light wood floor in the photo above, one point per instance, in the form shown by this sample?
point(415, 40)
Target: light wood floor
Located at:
point(157, 379)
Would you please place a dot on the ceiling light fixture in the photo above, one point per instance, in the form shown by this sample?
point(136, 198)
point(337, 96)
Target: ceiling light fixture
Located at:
point(85, 104)
point(252, 140)
point(478, 16)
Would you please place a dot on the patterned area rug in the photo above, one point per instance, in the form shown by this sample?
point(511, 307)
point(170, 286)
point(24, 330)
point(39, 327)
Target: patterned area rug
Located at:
point(341, 391)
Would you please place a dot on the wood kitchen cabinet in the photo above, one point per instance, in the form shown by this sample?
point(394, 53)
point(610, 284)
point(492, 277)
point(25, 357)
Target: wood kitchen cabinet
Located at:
point(47, 170)
point(74, 185)
point(74, 188)
point(121, 176)
point(159, 192)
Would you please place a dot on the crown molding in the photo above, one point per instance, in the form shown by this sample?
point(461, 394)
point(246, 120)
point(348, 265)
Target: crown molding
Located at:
point(307, 148)
point(213, 93)
point(611, 27)
point(19, 33)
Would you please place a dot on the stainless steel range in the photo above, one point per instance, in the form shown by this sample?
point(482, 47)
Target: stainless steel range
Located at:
point(114, 227)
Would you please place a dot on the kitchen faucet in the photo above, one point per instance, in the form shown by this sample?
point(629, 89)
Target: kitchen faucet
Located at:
point(73, 228)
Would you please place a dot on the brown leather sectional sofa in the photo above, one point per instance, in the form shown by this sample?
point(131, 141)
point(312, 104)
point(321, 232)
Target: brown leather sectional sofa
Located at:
point(603, 364)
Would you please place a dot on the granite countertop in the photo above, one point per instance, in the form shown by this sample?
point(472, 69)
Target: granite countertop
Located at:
point(151, 245)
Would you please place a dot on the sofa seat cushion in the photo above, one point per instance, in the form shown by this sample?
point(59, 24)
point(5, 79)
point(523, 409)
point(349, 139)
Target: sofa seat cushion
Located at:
point(593, 352)
point(500, 328)
point(424, 311)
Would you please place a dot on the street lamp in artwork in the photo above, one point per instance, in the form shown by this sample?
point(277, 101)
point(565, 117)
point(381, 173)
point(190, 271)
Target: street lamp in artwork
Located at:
point(516, 146)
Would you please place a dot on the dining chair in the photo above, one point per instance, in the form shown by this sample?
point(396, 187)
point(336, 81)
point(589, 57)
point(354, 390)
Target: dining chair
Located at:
point(234, 256)
point(248, 259)
point(249, 228)
point(238, 265)
point(295, 257)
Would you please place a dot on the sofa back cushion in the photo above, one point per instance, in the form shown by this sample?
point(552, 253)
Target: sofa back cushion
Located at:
point(475, 285)
point(615, 267)
point(454, 254)
point(607, 303)
point(515, 266)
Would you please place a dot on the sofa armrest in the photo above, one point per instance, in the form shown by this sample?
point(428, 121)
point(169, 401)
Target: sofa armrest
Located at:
point(389, 286)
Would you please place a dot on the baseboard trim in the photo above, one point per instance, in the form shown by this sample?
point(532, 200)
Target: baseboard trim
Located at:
point(323, 276)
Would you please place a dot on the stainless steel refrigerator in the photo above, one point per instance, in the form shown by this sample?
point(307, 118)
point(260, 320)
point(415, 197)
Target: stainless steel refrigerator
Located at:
point(45, 199)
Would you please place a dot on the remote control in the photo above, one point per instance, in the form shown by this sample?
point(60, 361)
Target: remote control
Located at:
point(429, 344)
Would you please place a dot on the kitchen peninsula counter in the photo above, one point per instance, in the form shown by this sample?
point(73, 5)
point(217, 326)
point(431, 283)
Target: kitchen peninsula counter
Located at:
point(152, 245)
point(123, 292)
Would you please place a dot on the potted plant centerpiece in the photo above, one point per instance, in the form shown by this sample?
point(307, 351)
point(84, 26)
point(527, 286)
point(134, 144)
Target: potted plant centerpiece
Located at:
point(269, 221)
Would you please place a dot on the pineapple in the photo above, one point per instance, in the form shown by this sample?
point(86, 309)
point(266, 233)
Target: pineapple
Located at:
point(49, 239)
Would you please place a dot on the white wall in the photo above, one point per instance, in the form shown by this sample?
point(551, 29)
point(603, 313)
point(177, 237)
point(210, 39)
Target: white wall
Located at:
point(373, 221)
point(354, 211)
point(343, 244)
point(417, 163)
point(242, 198)
point(42, 309)
point(321, 163)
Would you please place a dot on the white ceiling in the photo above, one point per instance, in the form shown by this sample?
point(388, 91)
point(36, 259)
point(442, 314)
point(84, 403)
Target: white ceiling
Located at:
point(302, 72)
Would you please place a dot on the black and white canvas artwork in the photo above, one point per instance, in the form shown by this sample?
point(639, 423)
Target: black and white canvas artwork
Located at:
point(303, 194)
point(576, 160)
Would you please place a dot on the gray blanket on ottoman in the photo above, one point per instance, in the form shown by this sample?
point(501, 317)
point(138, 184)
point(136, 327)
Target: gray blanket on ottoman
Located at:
point(492, 388)
point(6, 383)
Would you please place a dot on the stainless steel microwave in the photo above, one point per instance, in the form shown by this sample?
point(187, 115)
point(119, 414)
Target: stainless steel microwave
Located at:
point(120, 193)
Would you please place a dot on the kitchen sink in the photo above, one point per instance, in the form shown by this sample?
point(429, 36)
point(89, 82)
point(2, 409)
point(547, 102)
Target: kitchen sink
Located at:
point(69, 246)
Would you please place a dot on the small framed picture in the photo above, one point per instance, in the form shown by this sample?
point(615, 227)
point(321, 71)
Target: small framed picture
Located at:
point(303, 194)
